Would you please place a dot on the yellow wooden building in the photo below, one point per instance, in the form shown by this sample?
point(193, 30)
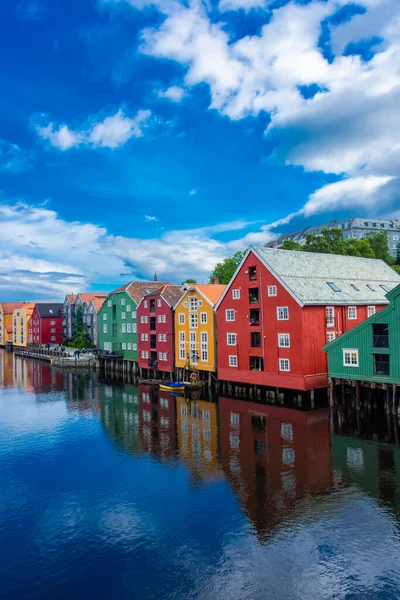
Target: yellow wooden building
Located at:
point(195, 330)
point(21, 317)
point(6, 321)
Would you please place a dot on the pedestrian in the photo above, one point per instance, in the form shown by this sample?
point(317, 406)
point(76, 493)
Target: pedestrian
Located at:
point(78, 352)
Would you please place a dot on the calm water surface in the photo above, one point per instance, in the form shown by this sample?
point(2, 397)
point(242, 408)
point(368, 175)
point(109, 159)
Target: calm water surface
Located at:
point(114, 491)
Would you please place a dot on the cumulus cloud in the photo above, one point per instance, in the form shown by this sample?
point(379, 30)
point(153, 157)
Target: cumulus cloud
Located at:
point(173, 93)
point(112, 132)
point(347, 128)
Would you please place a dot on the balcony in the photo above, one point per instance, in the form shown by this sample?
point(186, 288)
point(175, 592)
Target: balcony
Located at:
point(153, 342)
point(254, 296)
point(152, 363)
point(253, 273)
point(255, 317)
point(152, 306)
point(256, 363)
point(255, 340)
point(153, 324)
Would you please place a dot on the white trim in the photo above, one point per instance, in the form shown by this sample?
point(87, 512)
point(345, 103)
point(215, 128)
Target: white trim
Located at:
point(236, 360)
point(283, 335)
point(281, 360)
point(351, 351)
point(355, 313)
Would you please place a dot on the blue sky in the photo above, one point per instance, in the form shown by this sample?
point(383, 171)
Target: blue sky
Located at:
point(140, 136)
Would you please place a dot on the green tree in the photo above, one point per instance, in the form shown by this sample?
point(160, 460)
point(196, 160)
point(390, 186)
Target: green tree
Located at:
point(396, 268)
point(189, 281)
point(355, 247)
point(225, 270)
point(330, 241)
point(379, 242)
point(397, 259)
point(291, 245)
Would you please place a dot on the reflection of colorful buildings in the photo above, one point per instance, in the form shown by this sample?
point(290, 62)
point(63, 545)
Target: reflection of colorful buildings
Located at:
point(157, 422)
point(273, 457)
point(6, 369)
point(120, 414)
point(197, 427)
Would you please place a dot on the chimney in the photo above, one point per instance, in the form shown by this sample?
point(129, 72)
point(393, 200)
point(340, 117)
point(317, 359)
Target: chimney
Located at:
point(215, 281)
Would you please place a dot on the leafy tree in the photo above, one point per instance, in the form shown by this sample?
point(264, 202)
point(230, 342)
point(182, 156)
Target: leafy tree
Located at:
point(225, 270)
point(396, 268)
point(189, 281)
point(291, 245)
point(330, 241)
point(397, 259)
point(355, 247)
point(379, 242)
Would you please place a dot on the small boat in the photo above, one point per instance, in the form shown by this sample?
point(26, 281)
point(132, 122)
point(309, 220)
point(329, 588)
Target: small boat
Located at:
point(172, 386)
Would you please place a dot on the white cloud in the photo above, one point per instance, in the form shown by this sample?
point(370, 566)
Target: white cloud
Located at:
point(150, 218)
point(192, 192)
point(173, 93)
point(247, 5)
point(13, 159)
point(348, 128)
point(112, 132)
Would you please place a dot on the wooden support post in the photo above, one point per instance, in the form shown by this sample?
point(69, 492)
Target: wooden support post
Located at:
point(332, 392)
point(312, 398)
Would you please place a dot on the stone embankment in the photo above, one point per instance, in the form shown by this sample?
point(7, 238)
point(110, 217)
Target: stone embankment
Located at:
point(59, 359)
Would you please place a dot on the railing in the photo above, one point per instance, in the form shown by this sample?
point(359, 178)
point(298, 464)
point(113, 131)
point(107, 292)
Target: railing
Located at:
point(254, 300)
point(380, 341)
point(253, 276)
point(381, 368)
point(254, 323)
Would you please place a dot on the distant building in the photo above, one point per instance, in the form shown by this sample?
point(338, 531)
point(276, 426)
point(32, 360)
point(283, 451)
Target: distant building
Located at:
point(6, 321)
point(90, 304)
point(354, 227)
point(21, 318)
point(46, 324)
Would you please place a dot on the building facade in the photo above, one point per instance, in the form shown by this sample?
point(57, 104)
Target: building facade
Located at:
point(69, 317)
point(195, 327)
point(117, 321)
point(281, 307)
point(155, 318)
point(21, 318)
point(354, 227)
point(370, 351)
point(91, 318)
point(46, 324)
point(6, 321)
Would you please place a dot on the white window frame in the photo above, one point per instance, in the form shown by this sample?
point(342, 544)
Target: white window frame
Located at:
point(181, 318)
point(193, 321)
point(371, 310)
point(129, 328)
point(233, 361)
point(145, 303)
point(330, 336)
point(123, 346)
point(330, 316)
point(281, 311)
point(350, 351)
point(272, 290)
point(282, 338)
point(128, 308)
point(122, 301)
point(109, 303)
point(123, 315)
point(123, 328)
point(236, 294)
point(193, 304)
point(229, 312)
point(352, 313)
point(105, 328)
point(204, 356)
point(182, 353)
point(231, 339)
point(105, 317)
point(284, 365)
point(203, 318)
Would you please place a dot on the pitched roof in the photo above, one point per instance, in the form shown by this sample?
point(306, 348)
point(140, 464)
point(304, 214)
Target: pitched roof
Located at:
point(306, 276)
point(98, 301)
point(47, 310)
point(172, 294)
point(72, 298)
point(212, 291)
point(9, 307)
point(87, 297)
point(138, 289)
point(28, 308)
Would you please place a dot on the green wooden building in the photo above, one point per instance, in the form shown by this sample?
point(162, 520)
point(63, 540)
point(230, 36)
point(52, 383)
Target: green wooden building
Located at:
point(117, 318)
point(369, 352)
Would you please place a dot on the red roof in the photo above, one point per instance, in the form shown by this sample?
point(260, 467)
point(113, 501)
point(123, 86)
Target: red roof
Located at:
point(87, 297)
point(71, 298)
point(98, 301)
point(212, 291)
point(9, 307)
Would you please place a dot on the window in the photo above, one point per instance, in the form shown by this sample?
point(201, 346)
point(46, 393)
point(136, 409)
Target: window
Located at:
point(181, 336)
point(123, 315)
point(145, 303)
point(104, 328)
point(330, 316)
point(384, 287)
point(284, 364)
point(204, 355)
point(163, 318)
point(231, 339)
point(282, 313)
point(122, 301)
point(109, 303)
point(192, 303)
point(134, 346)
point(204, 339)
point(371, 287)
point(52, 330)
point(182, 355)
point(255, 340)
point(134, 314)
point(128, 308)
point(134, 328)
point(104, 317)
point(350, 358)
point(352, 312)
point(203, 318)
point(283, 340)
point(272, 291)
point(192, 337)
point(185, 304)
point(371, 311)
point(235, 294)
point(382, 364)
point(233, 361)
point(235, 419)
point(123, 327)
point(129, 346)
point(193, 321)
point(160, 337)
point(129, 327)
point(330, 336)
point(52, 322)
point(253, 273)
point(353, 285)
point(123, 346)
point(53, 338)
point(230, 314)
point(333, 286)
point(181, 318)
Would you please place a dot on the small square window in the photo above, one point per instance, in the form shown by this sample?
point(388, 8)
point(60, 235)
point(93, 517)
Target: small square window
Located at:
point(230, 314)
point(282, 313)
point(272, 290)
point(231, 339)
point(233, 361)
point(350, 358)
point(371, 311)
point(284, 364)
point(235, 294)
point(330, 336)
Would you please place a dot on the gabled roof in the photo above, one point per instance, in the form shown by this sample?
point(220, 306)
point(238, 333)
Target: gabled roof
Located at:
point(9, 307)
point(28, 308)
point(138, 289)
point(306, 276)
point(211, 292)
point(87, 297)
point(72, 298)
point(170, 292)
point(98, 301)
point(48, 310)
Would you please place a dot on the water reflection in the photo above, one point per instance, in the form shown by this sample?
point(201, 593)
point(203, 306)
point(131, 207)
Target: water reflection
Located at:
point(253, 488)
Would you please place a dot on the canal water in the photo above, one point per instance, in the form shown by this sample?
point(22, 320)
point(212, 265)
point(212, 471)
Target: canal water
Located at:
point(112, 491)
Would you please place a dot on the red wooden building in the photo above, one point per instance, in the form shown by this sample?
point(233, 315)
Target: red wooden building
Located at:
point(155, 318)
point(281, 307)
point(46, 324)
